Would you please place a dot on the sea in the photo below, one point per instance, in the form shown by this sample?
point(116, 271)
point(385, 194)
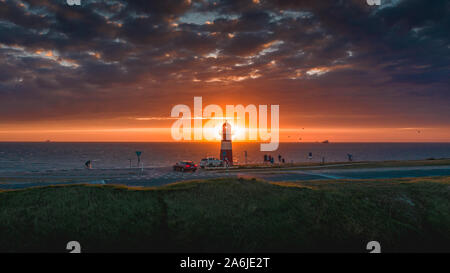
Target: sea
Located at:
point(36, 157)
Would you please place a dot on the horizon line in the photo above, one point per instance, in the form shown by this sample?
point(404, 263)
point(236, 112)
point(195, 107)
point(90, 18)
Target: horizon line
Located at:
point(204, 142)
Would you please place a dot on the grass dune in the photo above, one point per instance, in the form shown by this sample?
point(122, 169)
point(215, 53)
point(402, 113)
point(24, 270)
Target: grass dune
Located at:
point(231, 215)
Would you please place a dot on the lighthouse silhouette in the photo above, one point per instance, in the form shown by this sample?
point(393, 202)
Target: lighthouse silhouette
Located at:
point(226, 152)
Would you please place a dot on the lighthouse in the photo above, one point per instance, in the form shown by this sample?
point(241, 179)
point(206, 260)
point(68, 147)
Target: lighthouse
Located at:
point(226, 153)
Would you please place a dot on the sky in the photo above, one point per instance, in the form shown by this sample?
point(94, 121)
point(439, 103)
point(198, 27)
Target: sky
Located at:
point(112, 70)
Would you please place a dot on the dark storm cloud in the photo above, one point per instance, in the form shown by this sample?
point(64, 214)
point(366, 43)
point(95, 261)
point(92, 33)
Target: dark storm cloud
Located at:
point(120, 52)
point(160, 9)
point(14, 13)
point(244, 44)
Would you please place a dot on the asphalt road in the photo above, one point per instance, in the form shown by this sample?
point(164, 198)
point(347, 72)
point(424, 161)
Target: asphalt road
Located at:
point(360, 173)
point(162, 176)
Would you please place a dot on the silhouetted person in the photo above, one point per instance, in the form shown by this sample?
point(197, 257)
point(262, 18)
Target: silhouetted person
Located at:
point(88, 164)
point(279, 158)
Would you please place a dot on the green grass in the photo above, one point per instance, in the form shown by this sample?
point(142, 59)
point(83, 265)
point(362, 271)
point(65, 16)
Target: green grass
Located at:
point(231, 215)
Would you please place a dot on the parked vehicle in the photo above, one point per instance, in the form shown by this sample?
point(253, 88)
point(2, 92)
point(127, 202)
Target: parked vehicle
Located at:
point(184, 166)
point(211, 162)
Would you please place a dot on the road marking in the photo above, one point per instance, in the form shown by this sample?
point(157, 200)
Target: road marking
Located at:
point(320, 174)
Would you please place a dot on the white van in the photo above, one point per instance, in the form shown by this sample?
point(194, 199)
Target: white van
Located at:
point(211, 162)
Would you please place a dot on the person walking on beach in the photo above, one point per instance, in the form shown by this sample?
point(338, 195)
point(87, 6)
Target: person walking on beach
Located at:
point(265, 158)
point(279, 158)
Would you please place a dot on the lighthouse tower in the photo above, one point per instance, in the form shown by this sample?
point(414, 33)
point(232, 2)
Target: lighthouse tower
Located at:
point(226, 153)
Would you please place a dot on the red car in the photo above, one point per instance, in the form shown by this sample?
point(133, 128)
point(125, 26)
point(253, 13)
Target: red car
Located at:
point(184, 166)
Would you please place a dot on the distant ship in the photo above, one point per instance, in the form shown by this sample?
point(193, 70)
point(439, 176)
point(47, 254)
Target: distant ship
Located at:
point(325, 142)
